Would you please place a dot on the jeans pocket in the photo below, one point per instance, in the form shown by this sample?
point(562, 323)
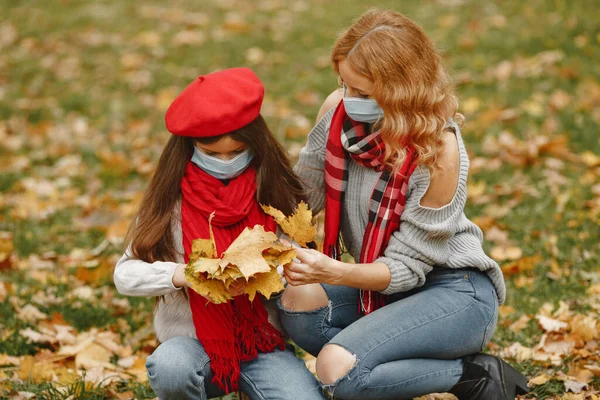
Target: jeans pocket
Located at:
point(458, 280)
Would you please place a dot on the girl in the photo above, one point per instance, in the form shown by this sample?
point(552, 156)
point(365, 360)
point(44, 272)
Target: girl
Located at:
point(387, 162)
point(221, 159)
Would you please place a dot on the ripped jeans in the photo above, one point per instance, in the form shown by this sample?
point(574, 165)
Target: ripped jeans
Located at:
point(179, 369)
point(411, 347)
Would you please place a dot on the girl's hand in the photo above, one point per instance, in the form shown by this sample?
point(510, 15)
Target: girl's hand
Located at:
point(179, 276)
point(313, 266)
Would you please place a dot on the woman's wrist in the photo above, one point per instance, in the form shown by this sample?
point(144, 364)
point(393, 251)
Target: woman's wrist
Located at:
point(340, 272)
point(374, 276)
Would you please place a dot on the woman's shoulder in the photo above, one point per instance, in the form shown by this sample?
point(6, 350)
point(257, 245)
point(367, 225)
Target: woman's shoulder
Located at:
point(330, 103)
point(317, 138)
point(447, 183)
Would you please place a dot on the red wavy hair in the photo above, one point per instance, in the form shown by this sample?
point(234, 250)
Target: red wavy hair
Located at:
point(410, 83)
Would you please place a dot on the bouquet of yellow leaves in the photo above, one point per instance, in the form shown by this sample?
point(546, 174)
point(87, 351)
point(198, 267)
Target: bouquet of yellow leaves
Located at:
point(253, 256)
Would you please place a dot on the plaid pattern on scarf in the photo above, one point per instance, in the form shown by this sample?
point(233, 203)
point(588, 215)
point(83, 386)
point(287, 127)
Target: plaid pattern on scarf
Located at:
point(348, 138)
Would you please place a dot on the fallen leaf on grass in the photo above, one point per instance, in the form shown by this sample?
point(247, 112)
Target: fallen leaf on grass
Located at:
point(575, 386)
point(92, 356)
point(520, 324)
point(539, 380)
point(502, 253)
point(521, 265)
point(595, 369)
point(6, 250)
point(550, 324)
point(37, 372)
point(584, 327)
point(555, 344)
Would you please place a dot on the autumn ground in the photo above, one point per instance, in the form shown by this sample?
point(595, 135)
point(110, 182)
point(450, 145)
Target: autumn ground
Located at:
point(83, 89)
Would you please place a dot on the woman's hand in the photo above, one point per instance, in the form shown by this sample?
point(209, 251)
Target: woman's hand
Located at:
point(314, 267)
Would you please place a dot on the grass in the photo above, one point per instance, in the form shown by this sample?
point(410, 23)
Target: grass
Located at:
point(84, 86)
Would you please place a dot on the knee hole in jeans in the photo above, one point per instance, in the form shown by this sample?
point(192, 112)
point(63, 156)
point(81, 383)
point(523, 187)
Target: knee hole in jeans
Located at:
point(333, 363)
point(304, 298)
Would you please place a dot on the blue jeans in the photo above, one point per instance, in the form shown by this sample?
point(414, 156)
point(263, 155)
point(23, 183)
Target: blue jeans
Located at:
point(180, 369)
point(411, 347)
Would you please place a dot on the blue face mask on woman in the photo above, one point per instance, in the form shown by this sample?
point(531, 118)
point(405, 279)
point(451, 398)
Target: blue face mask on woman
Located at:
point(362, 110)
point(221, 169)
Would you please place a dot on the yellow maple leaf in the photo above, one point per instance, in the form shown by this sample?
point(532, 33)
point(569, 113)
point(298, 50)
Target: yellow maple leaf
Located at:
point(28, 370)
point(539, 380)
point(247, 249)
point(281, 255)
point(230, 273)
point(204, 248)
point(208, 265)
point(253, 256)
point(298, 226)
point(266, 283)
point(213, 290)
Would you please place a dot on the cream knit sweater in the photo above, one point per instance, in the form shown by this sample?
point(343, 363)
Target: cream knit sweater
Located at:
point(427, 238)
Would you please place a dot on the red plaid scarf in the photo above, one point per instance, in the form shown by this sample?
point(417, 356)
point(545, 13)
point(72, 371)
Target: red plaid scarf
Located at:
point(350, 138)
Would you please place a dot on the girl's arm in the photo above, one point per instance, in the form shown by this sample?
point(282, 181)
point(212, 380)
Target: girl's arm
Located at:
point(135, 277)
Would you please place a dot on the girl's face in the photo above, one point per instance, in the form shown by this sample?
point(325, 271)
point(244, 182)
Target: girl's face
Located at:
point(224, 149)
point(356, 85)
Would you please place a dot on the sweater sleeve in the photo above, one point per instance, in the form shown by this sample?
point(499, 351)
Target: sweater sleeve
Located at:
point(423, 239)
point(135, 277)
point(311, 164)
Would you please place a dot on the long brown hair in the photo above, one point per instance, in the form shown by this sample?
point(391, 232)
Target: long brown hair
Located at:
point(150, 236)
point(410, 83)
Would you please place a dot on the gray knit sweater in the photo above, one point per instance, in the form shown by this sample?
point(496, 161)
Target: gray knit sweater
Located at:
point(427, 237)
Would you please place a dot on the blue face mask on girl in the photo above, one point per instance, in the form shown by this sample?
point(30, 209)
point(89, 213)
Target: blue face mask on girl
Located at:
point(221, 169)
point(362, 110)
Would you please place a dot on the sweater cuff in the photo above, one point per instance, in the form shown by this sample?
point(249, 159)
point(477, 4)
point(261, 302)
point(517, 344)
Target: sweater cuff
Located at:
point(402, 278)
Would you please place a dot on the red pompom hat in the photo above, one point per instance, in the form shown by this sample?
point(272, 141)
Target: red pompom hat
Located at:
point(216, 104)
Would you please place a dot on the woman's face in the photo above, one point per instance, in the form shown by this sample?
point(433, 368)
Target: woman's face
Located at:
point(356, 85)
point(224, 149)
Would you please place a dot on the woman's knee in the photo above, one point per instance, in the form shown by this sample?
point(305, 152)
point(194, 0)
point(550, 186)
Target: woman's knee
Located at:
point(333, 363)
point(304, 298)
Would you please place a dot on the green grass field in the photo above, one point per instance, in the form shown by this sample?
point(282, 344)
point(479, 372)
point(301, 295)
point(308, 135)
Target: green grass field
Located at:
point(83, 90)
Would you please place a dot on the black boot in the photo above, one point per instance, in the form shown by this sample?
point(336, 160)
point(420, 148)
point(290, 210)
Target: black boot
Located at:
point(486, 377)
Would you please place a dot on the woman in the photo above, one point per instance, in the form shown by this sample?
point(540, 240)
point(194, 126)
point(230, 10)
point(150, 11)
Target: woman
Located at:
point(220, 163)
point(387, 162)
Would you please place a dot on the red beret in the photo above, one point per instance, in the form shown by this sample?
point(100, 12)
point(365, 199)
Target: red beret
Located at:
point(216, 104)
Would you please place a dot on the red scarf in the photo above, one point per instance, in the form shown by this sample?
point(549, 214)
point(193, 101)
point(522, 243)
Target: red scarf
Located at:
point(351, 138)
point(235, 331)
